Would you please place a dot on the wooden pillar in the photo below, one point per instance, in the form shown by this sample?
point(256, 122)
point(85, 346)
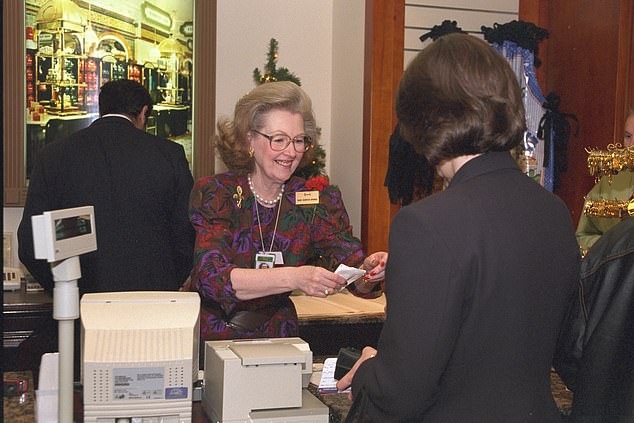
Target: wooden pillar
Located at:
point(385, 20)
point(204, 112)
point(13, 103)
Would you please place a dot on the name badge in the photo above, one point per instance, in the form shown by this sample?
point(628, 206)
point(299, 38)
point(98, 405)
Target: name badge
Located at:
point(306, 197)
point(278, 259)
point(264, 260)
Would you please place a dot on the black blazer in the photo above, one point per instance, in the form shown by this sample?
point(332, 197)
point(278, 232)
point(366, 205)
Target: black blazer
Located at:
point(139, 185)
point(477, 284)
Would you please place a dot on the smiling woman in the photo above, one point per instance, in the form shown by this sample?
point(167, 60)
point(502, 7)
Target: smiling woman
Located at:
point(257, 213)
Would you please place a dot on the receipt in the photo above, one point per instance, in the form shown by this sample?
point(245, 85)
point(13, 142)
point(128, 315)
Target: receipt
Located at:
point(350, 274)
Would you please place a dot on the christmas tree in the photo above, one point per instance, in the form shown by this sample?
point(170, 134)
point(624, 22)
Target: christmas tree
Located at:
point(315, 167)
point(271, 74)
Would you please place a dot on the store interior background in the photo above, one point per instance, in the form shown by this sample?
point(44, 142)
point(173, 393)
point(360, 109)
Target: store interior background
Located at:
point(587, 61)
point(322, 42)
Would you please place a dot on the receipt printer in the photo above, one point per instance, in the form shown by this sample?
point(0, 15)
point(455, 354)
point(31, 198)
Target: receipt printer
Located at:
point(260, 380)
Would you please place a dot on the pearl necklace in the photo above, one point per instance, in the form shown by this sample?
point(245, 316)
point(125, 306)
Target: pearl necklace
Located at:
point(262, 200)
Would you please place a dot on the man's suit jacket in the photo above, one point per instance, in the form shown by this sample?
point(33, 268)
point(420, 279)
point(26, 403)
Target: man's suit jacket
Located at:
point(139, 185)
point(477, 284)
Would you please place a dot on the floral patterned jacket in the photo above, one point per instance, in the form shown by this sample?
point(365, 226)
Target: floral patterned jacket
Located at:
point(222, 210)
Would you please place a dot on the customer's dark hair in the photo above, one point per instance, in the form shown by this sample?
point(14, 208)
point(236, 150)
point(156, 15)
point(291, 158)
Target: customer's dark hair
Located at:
point(124, 96)
point(457, 97)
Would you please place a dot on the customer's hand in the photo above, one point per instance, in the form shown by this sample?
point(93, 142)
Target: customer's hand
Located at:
point(343, 383)
point(317, 281)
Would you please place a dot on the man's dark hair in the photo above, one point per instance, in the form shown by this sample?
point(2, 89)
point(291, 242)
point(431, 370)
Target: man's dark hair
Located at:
point(124, 96)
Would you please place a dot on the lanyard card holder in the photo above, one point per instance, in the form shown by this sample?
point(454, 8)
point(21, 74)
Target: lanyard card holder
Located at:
point(264, 260)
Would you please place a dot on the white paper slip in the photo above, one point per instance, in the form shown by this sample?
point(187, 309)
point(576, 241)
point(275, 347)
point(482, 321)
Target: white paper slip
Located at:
point(350, 274)
point(328, 384)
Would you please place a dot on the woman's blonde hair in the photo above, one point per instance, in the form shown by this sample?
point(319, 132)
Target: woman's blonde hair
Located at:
point(232, 141)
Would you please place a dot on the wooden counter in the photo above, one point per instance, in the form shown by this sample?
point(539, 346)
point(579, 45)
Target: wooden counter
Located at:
point(327, 324)
point(340, 320)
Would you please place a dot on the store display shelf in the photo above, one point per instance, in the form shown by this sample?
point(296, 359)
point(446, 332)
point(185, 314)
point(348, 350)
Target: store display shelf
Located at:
point(63, 84)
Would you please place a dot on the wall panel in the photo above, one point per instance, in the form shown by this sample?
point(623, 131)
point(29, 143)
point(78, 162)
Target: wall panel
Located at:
point(586, 67)
point(496, 5)
point(421, 16)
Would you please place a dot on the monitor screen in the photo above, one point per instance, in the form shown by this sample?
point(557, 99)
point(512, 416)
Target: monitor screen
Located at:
point(65, 233)
point(70, 227)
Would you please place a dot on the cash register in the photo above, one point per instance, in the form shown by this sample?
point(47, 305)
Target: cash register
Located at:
point(260, 380)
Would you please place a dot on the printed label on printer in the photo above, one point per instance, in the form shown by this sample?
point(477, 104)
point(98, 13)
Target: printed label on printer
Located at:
point(176, 393)
point(135, 383)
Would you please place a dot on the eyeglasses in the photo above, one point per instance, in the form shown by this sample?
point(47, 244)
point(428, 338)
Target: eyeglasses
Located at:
point(279, 142)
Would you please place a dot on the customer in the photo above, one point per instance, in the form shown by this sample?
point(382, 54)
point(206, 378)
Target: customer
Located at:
point(139, 185)
point(595, 354)
point(479, 274)
point(618, 187)
point(258, 212)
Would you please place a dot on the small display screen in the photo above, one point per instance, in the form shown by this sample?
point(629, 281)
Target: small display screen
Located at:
point(70, 227)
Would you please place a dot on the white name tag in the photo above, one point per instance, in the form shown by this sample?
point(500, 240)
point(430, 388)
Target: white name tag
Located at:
point(264, 260)
point(278, 259)
point(306, 197)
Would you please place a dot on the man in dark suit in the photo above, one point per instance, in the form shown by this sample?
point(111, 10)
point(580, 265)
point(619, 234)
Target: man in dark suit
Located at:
point(479, 274)
point(139, 185)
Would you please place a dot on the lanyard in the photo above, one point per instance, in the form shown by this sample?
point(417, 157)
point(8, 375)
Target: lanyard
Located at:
point(279, 207)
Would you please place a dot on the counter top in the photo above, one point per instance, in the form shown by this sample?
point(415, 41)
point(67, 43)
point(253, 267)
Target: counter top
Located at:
point(160, 107)
point(20, 409)
point(46, 117)
point(19, 298)
point(340, 308)
point(339, 404)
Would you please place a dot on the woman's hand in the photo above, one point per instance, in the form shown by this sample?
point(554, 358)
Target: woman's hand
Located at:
point(343, 383)
point(317, 281)
point(374, 265)
point(311, 280)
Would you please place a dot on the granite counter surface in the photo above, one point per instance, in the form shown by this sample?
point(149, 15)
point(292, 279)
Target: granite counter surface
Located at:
point(339, 404)
point(20, 408)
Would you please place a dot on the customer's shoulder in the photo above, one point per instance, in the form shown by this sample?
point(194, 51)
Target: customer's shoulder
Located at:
point(435, 210)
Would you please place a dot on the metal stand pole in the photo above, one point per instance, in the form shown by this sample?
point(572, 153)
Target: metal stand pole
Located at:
point(65, 311)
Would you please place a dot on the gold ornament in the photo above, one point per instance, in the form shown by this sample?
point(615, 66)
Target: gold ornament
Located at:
point(609, 208)
point(238, 196)
point(610, 162)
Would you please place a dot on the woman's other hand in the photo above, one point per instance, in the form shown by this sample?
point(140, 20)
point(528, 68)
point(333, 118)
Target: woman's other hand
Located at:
point(343, 383)
point(317, 281)
point(374, 265)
